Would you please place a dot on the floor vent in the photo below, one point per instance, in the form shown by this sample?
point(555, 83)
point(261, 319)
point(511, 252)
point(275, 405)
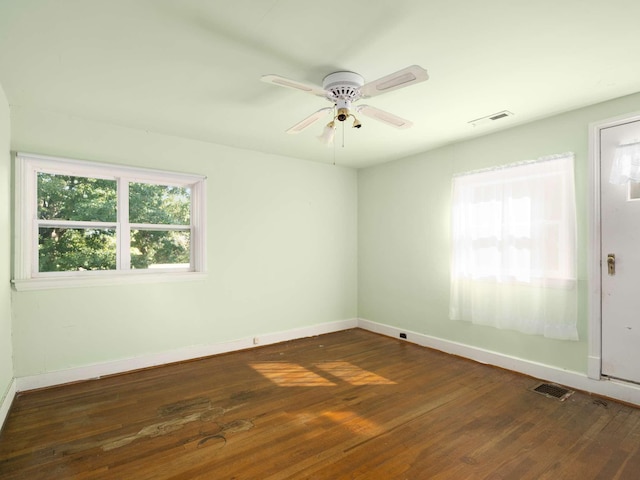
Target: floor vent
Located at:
point(550, 390)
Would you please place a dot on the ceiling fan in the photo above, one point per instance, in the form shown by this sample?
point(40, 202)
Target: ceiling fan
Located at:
point(344, 88)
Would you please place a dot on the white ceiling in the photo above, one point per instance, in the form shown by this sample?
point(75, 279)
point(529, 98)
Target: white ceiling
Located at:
point(191, 68)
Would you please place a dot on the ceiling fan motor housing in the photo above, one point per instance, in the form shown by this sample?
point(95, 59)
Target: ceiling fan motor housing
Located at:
point(343, 85)
point(342, 89)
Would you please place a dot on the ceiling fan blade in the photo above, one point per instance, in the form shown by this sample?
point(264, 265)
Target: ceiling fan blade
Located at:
point(384, 117)
point(310, 120)
point(400, 79)
point(303, 87)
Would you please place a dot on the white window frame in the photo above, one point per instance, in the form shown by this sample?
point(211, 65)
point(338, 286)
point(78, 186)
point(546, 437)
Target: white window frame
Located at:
point(26, 274)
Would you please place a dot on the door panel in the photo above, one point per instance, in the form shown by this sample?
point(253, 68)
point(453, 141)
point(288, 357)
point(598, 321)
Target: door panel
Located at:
point(620, 236)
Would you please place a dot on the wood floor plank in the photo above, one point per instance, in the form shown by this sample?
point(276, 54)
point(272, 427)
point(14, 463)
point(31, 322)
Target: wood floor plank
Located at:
point(348, 405)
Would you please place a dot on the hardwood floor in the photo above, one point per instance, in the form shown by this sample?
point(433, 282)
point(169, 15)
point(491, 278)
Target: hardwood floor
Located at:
point(348, 405)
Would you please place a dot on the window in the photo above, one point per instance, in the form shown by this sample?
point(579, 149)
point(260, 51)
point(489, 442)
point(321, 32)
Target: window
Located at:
point(83, 223)
point(514, 248)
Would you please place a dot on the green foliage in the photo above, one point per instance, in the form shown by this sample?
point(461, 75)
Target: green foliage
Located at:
point(159, 204)
point(64, 197)
point(164, 205)
point(69, 249)
point(159, 248)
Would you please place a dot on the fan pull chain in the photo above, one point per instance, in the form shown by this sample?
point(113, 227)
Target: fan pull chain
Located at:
point(334, 153)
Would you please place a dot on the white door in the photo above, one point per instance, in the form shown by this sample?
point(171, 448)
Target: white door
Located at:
point(620, 236)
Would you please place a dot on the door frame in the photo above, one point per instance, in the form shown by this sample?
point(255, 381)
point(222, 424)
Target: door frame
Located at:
point(594, 324)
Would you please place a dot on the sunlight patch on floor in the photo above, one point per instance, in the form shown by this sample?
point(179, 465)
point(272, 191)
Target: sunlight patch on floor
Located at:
point(287, 374)
point(353, 374)
point(290, 375)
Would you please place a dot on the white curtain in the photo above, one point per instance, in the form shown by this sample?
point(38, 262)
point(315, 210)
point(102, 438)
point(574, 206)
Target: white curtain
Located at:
point(513, 262)
point(626, 164)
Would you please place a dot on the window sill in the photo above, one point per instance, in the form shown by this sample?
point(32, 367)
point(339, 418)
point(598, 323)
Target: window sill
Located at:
point(48, 283)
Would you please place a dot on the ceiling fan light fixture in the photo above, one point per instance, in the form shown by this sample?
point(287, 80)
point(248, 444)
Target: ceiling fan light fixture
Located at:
point(356, 122)
point(328, 133)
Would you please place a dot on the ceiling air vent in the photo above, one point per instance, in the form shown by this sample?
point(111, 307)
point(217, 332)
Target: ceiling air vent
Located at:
point(490, 118)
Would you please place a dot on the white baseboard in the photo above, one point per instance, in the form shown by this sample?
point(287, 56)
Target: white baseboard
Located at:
point(625, 392)
point(6, 402)
point(629, 393)
point(89, 372)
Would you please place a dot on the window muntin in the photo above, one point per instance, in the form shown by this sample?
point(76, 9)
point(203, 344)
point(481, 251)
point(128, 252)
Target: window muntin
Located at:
point(82, 220)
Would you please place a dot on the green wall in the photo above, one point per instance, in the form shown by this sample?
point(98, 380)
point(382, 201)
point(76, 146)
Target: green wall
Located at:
point(403, 246)
point(282, 252)
point(291, 244)
point(6, 350)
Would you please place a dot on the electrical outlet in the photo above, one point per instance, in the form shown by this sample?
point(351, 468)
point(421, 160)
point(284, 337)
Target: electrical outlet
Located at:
point(256, 341)
point(403, 335)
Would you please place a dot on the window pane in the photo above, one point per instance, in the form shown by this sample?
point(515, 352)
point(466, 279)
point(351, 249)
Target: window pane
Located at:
point(153, 249)
point(159, 204)
point(65, 197)
point(76, 249)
